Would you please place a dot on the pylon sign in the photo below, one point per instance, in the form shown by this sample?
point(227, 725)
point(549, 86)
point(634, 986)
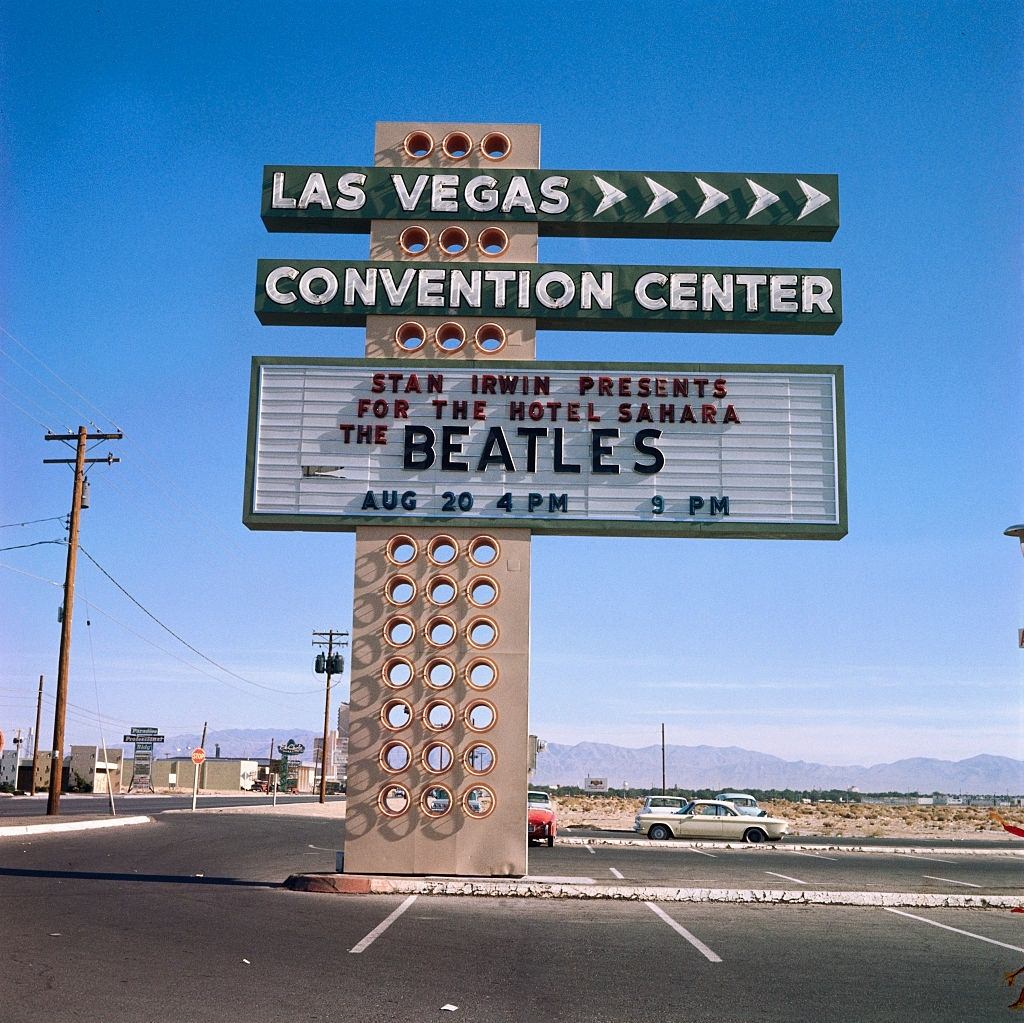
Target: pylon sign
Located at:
point(449, 444)
point(143, 739)
point(639, 204)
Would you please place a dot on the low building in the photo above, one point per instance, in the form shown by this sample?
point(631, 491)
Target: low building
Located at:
point(9, 768)
point(225, 774)
point(89, 771)
point(337, 758)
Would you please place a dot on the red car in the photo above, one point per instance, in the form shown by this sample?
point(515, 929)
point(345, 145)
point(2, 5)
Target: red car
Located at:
point(540, 818)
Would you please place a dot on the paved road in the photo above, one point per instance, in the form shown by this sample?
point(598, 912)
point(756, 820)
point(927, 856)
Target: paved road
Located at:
point(72, 806)
point(117, 926)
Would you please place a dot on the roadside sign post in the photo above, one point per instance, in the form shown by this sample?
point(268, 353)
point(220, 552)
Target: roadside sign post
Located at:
point(198, 757)
point(143, 739)
point(289, 749)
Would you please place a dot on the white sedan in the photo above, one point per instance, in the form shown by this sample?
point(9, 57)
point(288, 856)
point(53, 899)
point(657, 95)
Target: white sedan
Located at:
point(710, 818)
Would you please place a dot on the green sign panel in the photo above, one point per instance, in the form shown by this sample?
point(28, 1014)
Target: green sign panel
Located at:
point(557, 296)
point(638, 204)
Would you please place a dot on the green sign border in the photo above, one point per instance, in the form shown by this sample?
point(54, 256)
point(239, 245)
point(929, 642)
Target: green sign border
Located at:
point(593, 527)
point(625, 314)
point(783, 220)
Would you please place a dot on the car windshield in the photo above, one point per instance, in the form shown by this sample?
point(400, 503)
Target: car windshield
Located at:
point(538, 797)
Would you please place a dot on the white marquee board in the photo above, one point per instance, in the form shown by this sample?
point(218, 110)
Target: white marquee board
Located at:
point(620, 449)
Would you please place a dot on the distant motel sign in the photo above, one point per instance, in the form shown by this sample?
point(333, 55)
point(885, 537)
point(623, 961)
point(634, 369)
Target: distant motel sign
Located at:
point(639, 204)
point(557, 296)
point(615, 449)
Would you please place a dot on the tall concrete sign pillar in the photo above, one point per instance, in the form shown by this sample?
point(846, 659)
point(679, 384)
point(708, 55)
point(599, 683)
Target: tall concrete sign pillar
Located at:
point(441, 617)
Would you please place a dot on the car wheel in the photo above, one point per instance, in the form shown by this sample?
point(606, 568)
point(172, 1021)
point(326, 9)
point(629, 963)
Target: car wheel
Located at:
point(551, 841)
point(659, 832)
point(754, 835)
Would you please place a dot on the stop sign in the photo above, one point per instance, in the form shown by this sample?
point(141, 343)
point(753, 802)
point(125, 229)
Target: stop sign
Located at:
point(198, 755)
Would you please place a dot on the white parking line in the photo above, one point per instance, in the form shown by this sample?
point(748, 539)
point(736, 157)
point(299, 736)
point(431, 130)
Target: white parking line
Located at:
point(714, 856)
point(679, 929)
point(815, 856)
point(955, 930)
point(933, 859)
point(590, 849)
point(786, 877)
point(553, 879)
point(949, 880)
point(616, 873)
point(383, 926)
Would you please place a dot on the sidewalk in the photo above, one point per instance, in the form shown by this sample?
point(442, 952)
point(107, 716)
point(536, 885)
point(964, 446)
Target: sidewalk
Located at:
point(13, 826)
point(335, 809)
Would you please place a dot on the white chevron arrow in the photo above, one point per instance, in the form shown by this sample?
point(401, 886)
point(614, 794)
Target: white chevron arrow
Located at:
point(764, 198)
point(662, 196)
point(815, 199)
point(612, 195)
point(712, 197)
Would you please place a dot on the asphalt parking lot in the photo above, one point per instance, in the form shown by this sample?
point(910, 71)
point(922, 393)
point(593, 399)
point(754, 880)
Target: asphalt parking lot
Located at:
point(780, 866)
point(186, 918)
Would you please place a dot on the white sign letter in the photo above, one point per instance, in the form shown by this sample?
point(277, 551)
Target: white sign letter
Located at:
point(640, 291)
point(315, 192)
point(482, 193)
point(350, 193)
point(518, 194)
point(408, 199)
point(817, 291)
point(318, 273)
point(288, 273)
point(279, 202)
point(544, 295)
point(555, 200)
point(443, 195)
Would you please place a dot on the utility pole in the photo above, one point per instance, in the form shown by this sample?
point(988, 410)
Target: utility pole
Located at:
point(663, 758)
point(35, 747)
point(60, 709)
point(332, 664)
point(17, 754)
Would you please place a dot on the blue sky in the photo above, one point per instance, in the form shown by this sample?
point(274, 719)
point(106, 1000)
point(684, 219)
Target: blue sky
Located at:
point(134, 145)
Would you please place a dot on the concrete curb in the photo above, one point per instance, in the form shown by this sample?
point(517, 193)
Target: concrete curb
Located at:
point(281, 810)
point(45, 829)
point(360, 884)
point(784, 846)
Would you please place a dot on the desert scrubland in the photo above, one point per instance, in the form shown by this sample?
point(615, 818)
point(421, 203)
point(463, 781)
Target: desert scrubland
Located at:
point(824, 819)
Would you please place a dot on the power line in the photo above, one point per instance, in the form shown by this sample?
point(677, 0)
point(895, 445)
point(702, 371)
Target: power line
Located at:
point(168, 494)
point(184, 642)
point(156, 646)
point(76, 711)
point(46, 387)
point(38, 543)
point(32, 522)
point(23, 412)
point(38, 578)
point(147, 508)
point(25, 348)
point(25, 395)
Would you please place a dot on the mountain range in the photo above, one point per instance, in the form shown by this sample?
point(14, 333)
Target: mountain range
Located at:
point(686, 767)
point(703, 767)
